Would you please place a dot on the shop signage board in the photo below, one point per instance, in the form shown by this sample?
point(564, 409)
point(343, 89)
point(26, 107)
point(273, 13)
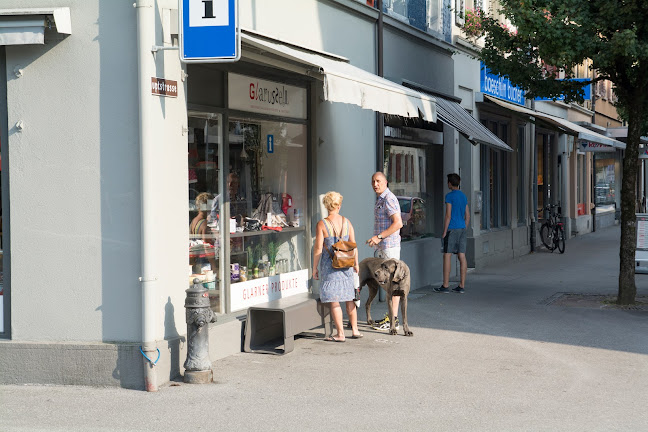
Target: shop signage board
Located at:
point(266, 97)
point(587, 91)
point(270, 143)
point(641, 254)
point(256, 291)
point(209, 31)
point(592, 147)
point(500, 87)
point(164, 87)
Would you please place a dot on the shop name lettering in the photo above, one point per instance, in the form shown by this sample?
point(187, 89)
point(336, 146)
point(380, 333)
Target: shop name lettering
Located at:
point(500, 87)
point(273, 287)
point(269, 95)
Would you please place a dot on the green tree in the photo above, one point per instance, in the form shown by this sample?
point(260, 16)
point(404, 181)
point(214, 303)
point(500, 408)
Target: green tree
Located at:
point(565, 33)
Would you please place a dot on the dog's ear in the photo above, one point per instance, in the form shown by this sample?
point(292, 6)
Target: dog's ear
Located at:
point(400, 273)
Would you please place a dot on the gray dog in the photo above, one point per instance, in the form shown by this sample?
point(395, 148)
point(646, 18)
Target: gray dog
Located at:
point(394, 276)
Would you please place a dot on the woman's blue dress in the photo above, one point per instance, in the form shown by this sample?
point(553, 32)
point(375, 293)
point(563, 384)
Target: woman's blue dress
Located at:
point(336, 284)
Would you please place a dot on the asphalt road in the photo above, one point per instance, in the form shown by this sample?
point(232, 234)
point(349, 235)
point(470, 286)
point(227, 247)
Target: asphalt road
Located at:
point(497, 358)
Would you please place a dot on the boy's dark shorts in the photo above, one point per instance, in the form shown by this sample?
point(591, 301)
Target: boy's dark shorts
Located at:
point(455, 241)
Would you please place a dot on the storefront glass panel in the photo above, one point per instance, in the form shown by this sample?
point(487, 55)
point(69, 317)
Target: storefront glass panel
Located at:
point(409, 171)
point(205, 197)
point(267, 186)
point(605, 183)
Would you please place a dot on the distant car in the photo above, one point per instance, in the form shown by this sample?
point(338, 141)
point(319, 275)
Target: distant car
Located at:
point(412, 215)
point(603, 193)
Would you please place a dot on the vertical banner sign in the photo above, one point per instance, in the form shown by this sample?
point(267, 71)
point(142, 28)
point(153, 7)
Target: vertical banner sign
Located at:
point(209, 31)
point(270, 143)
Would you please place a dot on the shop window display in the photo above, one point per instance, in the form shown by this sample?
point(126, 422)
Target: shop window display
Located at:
point(268, 257)
point(204, 137)
point(408, 171)
point(264, 182)
point(605, 184)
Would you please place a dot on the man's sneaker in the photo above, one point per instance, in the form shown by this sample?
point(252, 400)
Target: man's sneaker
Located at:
point(458, 289)
point(382, 321)
point(442, 289)
point(385, 325)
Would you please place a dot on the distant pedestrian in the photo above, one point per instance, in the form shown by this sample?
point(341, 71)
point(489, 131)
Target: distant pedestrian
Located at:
point(386, 239)
point(457, 219)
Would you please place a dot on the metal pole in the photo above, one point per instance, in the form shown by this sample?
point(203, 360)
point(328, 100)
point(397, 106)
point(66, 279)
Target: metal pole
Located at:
point(145, 68)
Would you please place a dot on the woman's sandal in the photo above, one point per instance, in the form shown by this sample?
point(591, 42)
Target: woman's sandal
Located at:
point(332, 339)
point(358, 336)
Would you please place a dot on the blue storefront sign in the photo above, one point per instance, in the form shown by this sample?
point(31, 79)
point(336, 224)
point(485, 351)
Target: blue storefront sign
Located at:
point(209, 31)
point(270, 143)
point(500, 87)
point(587, 91)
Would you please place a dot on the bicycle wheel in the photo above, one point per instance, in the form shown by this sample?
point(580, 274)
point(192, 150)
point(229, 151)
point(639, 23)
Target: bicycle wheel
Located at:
point(546, 235)
point(560, 239)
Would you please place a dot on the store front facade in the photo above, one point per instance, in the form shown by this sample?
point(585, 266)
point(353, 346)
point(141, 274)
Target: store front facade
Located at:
point(234, 145)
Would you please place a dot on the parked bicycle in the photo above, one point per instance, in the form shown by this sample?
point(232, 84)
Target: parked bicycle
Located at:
point(552, 231)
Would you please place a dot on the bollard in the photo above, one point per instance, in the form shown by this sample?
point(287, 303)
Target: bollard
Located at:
point(199, 315)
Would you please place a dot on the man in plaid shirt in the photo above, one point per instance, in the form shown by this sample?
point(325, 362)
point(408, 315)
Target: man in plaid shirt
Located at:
point(387, 225)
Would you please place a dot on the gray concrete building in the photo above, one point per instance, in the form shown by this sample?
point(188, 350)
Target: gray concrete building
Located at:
point(126, 173)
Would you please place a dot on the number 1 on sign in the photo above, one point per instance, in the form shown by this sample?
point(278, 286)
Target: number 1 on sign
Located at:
point(208, 13)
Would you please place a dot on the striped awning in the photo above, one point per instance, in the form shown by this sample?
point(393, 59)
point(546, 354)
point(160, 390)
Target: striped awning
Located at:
point(453, 114)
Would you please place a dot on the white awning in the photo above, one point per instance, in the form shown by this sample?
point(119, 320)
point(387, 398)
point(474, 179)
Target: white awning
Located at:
point(566, 126)
point(27, 26)
point(349, 84)
point(455, 115)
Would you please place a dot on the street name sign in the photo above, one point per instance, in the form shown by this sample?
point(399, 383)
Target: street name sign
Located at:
point(209, 31)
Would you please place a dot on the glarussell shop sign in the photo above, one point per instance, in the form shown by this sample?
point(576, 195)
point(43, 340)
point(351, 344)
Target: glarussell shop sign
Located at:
point(266, 97)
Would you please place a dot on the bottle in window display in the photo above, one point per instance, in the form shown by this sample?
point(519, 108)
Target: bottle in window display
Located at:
point(273, 248)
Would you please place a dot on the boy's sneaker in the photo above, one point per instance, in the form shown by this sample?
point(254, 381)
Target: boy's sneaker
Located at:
point(458, 289)
point(442, 289)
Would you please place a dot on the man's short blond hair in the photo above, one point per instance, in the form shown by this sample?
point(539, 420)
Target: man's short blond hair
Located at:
point(332, 200)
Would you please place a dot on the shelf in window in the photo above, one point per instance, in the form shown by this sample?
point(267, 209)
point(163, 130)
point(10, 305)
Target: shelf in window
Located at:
point(266, 232)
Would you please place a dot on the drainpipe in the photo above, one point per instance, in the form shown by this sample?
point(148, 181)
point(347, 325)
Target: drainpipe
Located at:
point(534, 182)
point(145, 70)
point(380, 119)
point(593, 188)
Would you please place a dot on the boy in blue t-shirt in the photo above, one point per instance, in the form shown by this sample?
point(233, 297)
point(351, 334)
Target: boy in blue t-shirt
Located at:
point(457, 218)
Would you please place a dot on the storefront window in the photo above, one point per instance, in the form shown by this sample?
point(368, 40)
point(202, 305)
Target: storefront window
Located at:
point(494, 180)
point(580, 187)
point(605, 187)
point(408, 170)
point(267, 184)
point(204, 137)
point(521, 170)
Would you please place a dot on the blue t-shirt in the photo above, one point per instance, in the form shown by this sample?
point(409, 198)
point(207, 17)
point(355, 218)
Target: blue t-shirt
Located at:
point(459, 202)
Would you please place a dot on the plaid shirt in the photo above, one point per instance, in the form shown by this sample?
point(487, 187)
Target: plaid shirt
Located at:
point(386, 206)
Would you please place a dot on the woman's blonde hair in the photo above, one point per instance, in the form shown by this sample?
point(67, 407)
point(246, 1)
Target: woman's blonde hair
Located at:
point(201, 199)
point(332, 200)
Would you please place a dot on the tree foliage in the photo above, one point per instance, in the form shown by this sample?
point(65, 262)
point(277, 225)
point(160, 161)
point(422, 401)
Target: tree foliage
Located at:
point(547, 36)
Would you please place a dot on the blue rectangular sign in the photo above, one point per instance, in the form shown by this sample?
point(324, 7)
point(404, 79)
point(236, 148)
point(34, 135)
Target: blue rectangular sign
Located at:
point(587, 91)
point(500, 87)
point(270, 143)
point(209, 31)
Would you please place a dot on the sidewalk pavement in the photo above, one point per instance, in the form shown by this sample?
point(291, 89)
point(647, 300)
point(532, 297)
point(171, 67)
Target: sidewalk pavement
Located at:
point(497, 358)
